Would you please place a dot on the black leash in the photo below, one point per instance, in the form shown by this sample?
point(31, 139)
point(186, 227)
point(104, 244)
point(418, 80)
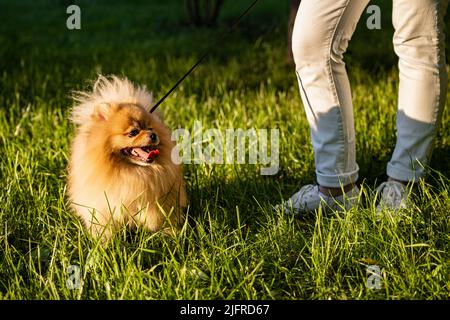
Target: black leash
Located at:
point(235, 23)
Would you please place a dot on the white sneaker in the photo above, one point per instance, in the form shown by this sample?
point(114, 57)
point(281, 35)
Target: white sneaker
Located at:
point(394, 196)
point(309, 198)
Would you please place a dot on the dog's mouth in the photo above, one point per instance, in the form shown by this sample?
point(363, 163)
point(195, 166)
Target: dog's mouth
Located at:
point(146, 154)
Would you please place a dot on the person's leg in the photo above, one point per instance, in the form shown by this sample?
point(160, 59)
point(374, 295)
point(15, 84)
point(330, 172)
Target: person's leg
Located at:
point(419, 44)
point(321, 33)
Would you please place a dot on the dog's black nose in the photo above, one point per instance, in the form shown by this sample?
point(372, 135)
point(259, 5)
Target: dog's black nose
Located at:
point(153, 137)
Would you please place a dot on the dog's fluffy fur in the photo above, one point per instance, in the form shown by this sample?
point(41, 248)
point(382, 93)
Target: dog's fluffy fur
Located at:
point(111, 181)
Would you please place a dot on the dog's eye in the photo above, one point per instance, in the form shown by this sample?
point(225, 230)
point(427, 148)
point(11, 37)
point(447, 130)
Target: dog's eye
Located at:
point(133, 133)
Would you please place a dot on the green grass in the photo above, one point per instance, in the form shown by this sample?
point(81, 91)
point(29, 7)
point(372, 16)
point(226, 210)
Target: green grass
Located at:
point(234, 246)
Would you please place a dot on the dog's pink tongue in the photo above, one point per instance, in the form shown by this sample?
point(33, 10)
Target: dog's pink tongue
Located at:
point(153, 154)
point(147, 155)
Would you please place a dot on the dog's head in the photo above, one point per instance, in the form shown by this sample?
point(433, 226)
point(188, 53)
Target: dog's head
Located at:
point(116, 118)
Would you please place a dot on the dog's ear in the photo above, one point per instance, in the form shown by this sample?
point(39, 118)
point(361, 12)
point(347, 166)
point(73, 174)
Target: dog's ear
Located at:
point(102, 111)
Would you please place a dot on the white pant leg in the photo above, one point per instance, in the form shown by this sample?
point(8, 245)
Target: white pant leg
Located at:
point(321, 33)
point(419, 44)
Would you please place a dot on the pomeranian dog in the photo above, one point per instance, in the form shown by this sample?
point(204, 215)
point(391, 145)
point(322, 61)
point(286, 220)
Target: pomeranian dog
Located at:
point(120, 171)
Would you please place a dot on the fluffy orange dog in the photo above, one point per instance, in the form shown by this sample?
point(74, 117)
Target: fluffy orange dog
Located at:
point(120, 170)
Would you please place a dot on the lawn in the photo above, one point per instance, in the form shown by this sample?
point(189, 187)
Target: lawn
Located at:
point(234, 245)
